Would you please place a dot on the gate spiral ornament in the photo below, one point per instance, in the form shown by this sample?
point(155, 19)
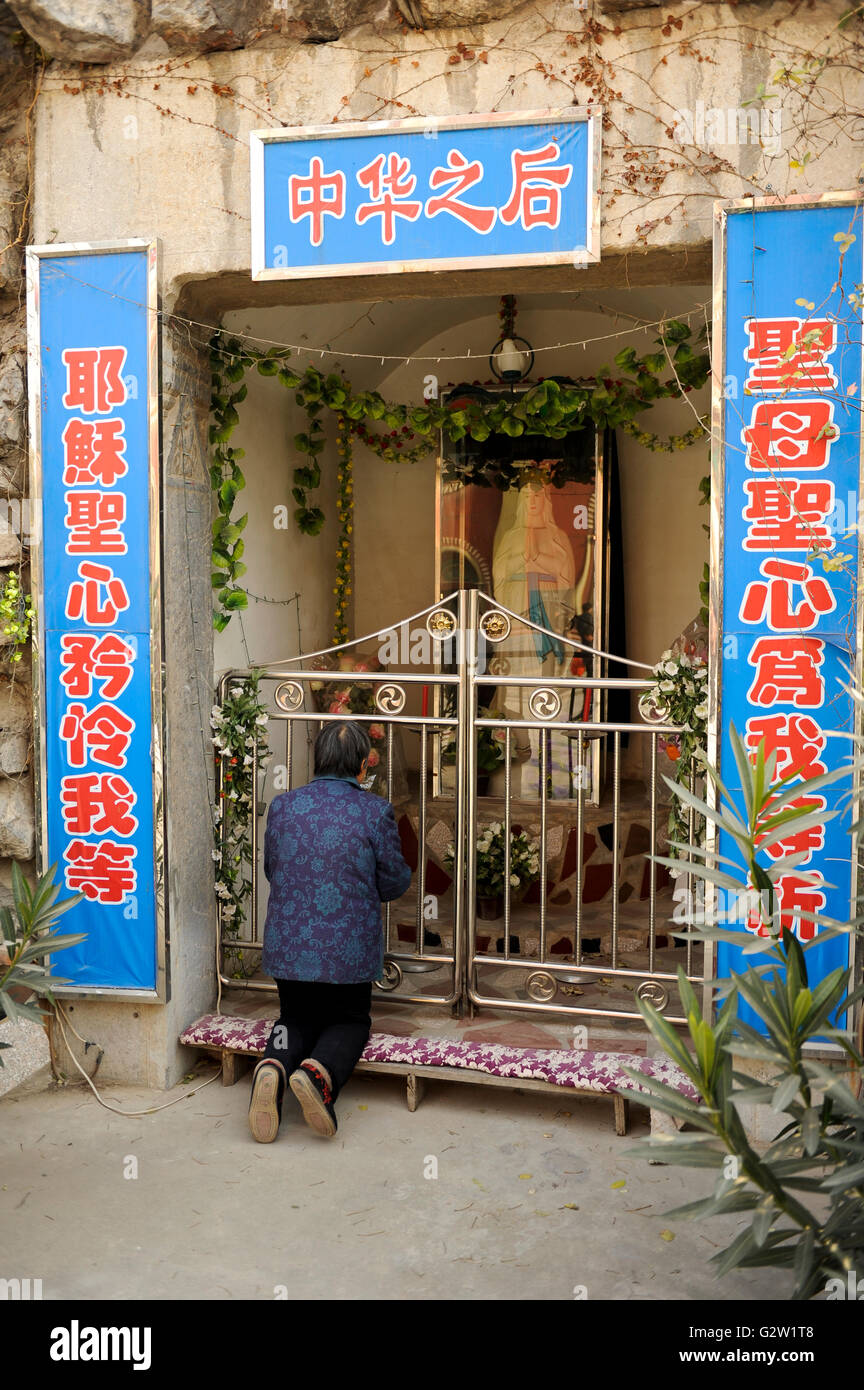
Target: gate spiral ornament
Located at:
point(651, 711)
point(289, 696)
point(495, 626)
point(653, 993)
point(440, 624)
point(390, 698)
point(391, 977)
point(541, 986)
point(545, 703)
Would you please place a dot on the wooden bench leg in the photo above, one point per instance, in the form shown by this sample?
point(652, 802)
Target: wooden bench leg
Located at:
point(622, 1114)
point(230, 1068)
point(415, 1086)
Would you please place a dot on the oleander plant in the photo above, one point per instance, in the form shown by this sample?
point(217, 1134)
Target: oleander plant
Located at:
point(27, 935)
point(804, 1195)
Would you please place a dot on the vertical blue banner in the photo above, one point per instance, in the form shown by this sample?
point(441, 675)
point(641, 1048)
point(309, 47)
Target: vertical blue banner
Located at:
point(791, 450)
point(92, 345)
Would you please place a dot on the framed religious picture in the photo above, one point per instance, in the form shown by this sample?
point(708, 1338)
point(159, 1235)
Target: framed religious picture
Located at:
point(526, 521)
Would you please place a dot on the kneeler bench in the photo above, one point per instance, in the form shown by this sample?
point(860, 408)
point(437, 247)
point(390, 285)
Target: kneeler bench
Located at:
point(450, 1059)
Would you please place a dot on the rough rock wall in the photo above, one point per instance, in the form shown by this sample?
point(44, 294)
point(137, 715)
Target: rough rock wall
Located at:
point(103, 31)
point(17, 78)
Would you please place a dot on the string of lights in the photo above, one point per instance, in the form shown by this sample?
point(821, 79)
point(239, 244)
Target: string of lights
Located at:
point(321, 352)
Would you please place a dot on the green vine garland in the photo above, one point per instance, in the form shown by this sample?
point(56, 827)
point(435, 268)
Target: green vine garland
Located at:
point(550, 409)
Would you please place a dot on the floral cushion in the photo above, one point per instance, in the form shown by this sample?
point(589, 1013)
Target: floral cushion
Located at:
point(584, 1071)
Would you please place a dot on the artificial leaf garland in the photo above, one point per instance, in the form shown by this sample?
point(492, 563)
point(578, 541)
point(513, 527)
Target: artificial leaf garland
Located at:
point(344, 547)
point(550, 409)
point(226, 480)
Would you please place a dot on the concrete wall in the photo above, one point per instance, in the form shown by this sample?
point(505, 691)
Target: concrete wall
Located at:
point(160, 148)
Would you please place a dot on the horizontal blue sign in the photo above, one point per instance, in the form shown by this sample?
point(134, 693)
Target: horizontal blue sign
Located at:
point(792, 374)
point(422, 194)
point(94, 345)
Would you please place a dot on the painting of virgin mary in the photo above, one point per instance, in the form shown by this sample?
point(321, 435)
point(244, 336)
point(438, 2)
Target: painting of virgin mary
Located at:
point(534, 571)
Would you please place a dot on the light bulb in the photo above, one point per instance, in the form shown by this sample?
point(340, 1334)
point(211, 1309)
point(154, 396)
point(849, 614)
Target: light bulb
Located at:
point(510, 361)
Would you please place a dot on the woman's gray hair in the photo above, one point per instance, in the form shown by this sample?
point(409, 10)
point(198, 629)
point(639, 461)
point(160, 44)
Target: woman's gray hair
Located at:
point(340, 749)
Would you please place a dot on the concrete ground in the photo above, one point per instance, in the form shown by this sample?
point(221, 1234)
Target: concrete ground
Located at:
point(529, 1202)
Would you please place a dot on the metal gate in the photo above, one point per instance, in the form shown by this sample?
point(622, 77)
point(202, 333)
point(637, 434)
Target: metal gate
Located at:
point(565, 783)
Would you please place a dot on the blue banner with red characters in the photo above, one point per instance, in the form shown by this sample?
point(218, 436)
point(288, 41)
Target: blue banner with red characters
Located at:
point(791, 407)
point(394, 196)
point(97, 743)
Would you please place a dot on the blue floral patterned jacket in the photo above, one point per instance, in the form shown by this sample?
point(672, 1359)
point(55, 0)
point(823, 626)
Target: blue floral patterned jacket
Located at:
point(332, 856)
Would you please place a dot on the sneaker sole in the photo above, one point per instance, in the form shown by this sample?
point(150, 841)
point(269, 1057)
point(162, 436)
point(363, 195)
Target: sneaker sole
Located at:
point(263, 1109)
point(314, 1110)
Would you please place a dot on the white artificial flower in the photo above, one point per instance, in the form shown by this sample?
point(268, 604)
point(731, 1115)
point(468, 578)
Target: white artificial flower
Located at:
point(671, 668)
point(665, 656)
point(702, 673)
point(689, 688)
point(685, 660)
point(514, 880)
point(701, 711)
point(667, 686)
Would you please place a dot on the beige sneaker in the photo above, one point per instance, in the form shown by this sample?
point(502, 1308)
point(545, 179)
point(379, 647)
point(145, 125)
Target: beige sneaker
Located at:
point(313, 1088)
point(265, 1103)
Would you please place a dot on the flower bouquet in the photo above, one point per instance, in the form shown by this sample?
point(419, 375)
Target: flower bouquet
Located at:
point(679, 696)
point(491, 867)
point(490, 749)
point(239, 728)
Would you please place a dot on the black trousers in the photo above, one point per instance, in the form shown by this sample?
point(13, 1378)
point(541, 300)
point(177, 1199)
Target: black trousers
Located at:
point(331, 1023)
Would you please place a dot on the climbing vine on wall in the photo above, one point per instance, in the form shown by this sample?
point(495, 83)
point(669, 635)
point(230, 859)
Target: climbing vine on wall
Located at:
point(16, 615)
point(400, 433)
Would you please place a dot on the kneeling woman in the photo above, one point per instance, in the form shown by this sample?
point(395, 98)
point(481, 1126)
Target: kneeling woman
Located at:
point(332, 855)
